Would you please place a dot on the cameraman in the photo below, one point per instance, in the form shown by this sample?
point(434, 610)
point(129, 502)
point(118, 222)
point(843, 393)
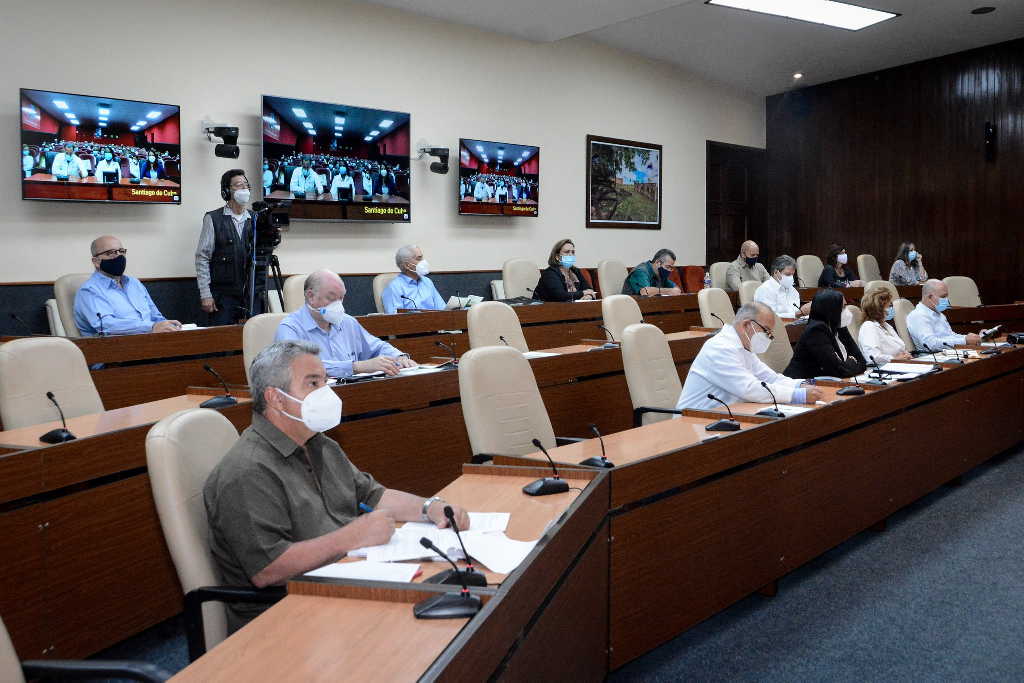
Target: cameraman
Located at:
point(222, 256)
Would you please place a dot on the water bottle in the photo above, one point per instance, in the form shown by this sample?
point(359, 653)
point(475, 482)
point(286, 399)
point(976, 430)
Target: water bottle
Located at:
point(707, 279)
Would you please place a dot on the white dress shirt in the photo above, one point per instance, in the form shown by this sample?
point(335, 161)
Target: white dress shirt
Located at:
point(104, 166)
point(64, 166)
point(307, 180)
point(879, 341)
point(343, 182)
point(733, 374)
point(780, 299)
point(930, 328)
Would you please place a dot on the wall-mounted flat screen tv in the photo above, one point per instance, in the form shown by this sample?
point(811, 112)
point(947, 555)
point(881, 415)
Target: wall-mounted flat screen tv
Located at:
point(336, 162)
point(99, 149)
point(498, 178)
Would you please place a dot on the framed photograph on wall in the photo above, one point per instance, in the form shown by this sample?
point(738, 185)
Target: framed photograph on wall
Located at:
point(623, 184)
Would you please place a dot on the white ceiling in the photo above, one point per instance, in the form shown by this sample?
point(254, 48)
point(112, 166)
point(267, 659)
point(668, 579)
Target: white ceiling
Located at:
point(754, 52)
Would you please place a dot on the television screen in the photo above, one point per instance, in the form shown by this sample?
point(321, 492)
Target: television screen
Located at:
point(99, 149)
point(498, 179)
point(336, 162)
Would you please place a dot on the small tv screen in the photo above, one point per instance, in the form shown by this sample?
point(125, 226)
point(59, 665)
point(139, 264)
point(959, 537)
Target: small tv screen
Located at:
point(336, 162)
point(498, 178)
point(99, 149)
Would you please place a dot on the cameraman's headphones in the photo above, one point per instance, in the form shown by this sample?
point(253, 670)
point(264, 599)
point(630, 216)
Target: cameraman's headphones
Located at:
point(225, 182)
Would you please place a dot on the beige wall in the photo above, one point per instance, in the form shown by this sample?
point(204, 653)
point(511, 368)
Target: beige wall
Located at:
point(215, 59)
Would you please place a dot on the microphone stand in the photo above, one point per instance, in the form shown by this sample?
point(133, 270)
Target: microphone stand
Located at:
point(953, 349)
point(454, 361)
point(415, 308)
point(938, 366)
point(877, 379)
point(723, 425)
point(57, 435)
point(546, 485)
point(224, 401)
point(771, 412)
point(461, 605)
point(857, 390)
point(595, 461)
point(99, 318)
point(468, 576)
point(609, 344)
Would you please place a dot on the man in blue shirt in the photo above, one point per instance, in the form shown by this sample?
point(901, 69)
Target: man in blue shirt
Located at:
point(345, 347)
point(111, 302)
point(411, 288)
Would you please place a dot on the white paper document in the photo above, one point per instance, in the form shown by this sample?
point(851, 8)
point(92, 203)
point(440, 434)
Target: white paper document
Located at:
point(790, 411)
point(538, 354)
point(420, 369)
point(906, 368)
point(377, 571)
point(455, 302)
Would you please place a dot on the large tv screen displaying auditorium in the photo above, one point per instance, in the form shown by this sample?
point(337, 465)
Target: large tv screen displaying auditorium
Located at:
point(498, 178)
point(99, 149)
point(335, 161)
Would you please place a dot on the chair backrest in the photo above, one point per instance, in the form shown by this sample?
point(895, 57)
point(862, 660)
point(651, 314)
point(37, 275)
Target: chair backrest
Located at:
point(53, 318)
point(747, 291)
point(963, 291)
point(611, 274)
point(64, 290)
point(497, 289)
point(620, 311)
point(520, 275)
point(877, 284)
point(501, 404)
point(719, 270)
point(867, 268)
point(693, 278)
point(780, 351)
point(901, 309)
point(257, 334)
point(181, 451)
point(651, 373)
point(380, 283)
point(294, 292)
point(808, 270)
point(32, 366)
point(489, 320)
point(10, 665)
point(714, 300)
point(858, 320)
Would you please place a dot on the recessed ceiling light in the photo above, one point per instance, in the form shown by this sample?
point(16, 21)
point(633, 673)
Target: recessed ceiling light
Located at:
point(983, 10)
point(152, 115)
point(301, 113)
point(797, 76)
point(368, 138)
point(60, 104)
point(827, 12)
point(140, 123)
point(386, 123)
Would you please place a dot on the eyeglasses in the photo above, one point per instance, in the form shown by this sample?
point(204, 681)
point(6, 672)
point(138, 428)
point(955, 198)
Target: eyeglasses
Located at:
point(771, 335)
point(111, 253)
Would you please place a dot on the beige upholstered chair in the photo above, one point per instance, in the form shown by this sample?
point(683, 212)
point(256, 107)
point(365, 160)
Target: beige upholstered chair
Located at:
point(780, 352)
point(901, 309)
point(53, 318)
point(501, 404)
point(294, 294)
point(719, 270)
point(714, 300)
point(257, 334)
point(380, 283)
point(64, 290)
point(32, 366)
point(611, 275)
point(876, 284)
point(808, 270)
point(651, 374)
point(867, 268)
point(747, 291)
point(520, 277)
point(858, 320)
point(619, 311)
point(490, 320)
point(963, 291)
point(498, 289)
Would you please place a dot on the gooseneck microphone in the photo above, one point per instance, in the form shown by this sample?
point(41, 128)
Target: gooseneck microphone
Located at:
point(459, 605)
point(502, 339)
point(219, 401)
point(938, 366)
point(955, 353)
point(718, 318)
point(414, 307)
point(723, 425)
point(613, 344)
point(466, 577)
point(595, 461)
point(99, 318)
point(771, 412)
point(57, 435)
point(547, 485)
point(857, 390)
point(451, 352)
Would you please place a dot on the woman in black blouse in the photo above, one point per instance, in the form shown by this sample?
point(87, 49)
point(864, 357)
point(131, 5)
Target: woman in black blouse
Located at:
point(561, 280)
point(826, 348)
point(837, 272)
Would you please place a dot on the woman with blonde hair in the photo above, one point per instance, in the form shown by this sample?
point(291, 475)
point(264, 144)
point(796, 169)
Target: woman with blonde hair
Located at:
point(877, 338)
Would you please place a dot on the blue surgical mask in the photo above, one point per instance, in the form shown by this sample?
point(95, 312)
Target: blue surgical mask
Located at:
point(568, 260)
point(890, 313)
point(108, 156)
point(942, 305)
point(911, 255)
point(26, 153)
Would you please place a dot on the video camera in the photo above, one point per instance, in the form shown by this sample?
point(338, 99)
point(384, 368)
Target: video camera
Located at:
point(271, 220)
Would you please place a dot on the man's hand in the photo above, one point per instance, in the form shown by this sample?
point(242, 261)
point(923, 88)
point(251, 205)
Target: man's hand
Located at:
point(167, 326)
point(373, 528)
point(813, 394)
point(903, 355)
point(389, 366)
point(671, 291)
point(436, 514)
point(588, 294)
point(805, 309)
point(973, 339)
point(406, 362)
point(857, 283)
point(208, 305)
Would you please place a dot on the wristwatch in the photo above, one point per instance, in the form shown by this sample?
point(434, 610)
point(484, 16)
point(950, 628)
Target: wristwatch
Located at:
point(427, 502)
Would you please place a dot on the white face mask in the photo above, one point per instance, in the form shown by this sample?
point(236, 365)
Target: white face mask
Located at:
point(845, 318)
point(786, 281)
point(321, 409)
point(241, 196)
point(841, 259)
point(423, 268)
point(759, 341)
point(333, 312)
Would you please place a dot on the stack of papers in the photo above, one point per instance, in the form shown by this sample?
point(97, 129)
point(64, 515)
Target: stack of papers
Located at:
point(906, 368)
point(376, 571)
point(538, 354)
point(421, 369)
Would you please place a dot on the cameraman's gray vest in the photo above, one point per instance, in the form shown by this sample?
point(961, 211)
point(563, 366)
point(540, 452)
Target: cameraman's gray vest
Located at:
point(229, 263)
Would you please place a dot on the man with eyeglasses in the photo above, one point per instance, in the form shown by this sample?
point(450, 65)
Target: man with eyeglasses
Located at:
point(111, 302)
point(727, 366)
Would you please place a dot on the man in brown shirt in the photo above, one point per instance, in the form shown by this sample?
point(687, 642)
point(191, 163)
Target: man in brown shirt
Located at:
point(746, 267)
point(285, 499)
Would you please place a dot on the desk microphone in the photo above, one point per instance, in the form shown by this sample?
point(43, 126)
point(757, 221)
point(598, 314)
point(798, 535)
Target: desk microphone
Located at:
point(466, 577)
point(547, 485)
point(955, 353)
point(877, 378)
point(454, 360)
point(723, 425)
point(502, 339)
point(857, 390)
point(219, 401)
point(414, 307)
point(99, 318)
point(717, 317)
point(447, 605)
point(595, 461)
point(57, 435)
point(609, 344)
point(938, 366)
point(771, 412)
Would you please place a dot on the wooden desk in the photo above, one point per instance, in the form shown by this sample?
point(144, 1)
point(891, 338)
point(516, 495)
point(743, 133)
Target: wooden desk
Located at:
point(965, 319)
